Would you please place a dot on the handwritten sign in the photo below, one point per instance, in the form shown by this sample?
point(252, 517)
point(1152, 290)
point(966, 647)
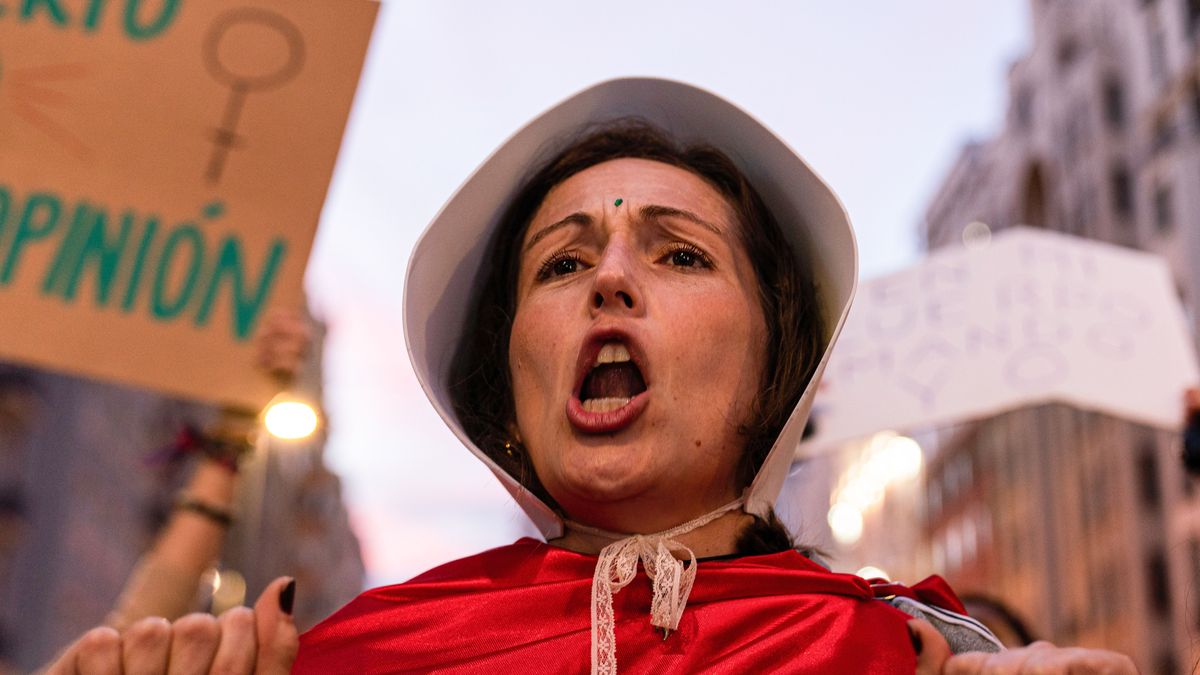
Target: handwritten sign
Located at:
point(1035, 316)
point(163, 165)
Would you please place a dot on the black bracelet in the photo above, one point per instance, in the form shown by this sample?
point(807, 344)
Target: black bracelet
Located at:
point(216, 514)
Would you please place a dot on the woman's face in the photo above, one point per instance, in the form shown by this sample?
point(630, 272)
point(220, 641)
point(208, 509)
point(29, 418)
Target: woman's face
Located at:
point(638, 345)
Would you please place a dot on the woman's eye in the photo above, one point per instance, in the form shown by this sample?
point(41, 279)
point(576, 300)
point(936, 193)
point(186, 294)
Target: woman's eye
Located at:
point(560, 264)
point(564, 266)
point(687, 256)
point(683, 258)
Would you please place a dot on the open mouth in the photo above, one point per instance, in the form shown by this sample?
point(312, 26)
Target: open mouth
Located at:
point(609, 397)
point(613, 382)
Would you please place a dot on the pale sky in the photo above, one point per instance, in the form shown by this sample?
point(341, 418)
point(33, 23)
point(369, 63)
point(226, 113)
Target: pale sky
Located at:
point(878, 96)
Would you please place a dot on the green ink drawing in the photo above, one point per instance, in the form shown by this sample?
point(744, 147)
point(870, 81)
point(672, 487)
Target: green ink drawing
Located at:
point(213, 210)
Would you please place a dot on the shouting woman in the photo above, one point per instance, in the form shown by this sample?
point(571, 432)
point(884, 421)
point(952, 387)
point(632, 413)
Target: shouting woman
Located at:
point(624, 313)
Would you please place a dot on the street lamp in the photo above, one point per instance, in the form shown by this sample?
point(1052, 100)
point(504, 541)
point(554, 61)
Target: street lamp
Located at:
point(290, 418)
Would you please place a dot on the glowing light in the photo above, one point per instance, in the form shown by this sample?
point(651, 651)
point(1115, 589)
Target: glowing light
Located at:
point(846, 523)
point(902, 457)
point(211, 578)
point(290, 419)
point(230, 593)
point(861, 492)
point(976, 235)
point(872, 572)
point(885, 460)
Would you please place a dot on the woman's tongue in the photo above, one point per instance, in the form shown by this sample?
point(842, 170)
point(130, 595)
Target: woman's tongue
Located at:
point(610, 386)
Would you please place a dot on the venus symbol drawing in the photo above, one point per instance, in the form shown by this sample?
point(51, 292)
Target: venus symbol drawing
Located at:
point(248, 50)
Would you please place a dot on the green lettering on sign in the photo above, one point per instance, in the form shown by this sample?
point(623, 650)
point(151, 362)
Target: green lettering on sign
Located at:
point(30, 229)
point(51, 7)
point(137, 30)
point(125, 260)
point(246, 306)
point(5, 203)
point(92, 19)
point(139, 264)
point(104, 253)
point(163, 307)
point(68, 249)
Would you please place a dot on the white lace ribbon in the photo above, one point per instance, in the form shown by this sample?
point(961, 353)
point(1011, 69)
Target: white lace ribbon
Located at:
point(617, 567)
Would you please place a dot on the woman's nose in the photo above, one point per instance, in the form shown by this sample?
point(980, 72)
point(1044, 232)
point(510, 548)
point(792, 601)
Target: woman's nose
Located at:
point(615, 287)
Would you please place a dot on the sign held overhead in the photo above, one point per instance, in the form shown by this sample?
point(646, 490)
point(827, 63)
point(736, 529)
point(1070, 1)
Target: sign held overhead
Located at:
point(1034, 316)
point(163, 168)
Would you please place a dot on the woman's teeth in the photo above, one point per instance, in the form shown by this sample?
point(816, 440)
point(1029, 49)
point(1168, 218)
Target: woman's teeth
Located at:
point(602, 405)
point(613, 352)
point(613, 382)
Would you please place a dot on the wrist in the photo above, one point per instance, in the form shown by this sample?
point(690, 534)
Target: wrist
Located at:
point(223, 447)
point(214, 513)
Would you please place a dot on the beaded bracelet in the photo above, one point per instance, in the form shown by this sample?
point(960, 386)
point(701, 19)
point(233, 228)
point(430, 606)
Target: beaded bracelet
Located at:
point(191, 440)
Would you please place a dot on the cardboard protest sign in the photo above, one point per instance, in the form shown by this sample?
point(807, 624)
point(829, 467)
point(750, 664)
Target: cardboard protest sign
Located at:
point(163, 164)
point(1035, 316)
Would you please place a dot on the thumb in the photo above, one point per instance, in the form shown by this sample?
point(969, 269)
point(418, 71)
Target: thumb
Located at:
point(932, 648)
point(278, 639)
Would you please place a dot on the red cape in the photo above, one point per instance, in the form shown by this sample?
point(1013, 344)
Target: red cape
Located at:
point(526, 608)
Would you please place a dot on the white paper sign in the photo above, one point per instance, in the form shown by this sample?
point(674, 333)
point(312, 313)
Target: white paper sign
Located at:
point(1032, 317)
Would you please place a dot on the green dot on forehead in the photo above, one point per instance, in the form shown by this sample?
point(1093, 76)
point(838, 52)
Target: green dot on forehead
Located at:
point(618, 202)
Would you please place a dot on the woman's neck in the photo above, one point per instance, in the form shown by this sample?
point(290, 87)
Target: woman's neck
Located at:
point(716, 538)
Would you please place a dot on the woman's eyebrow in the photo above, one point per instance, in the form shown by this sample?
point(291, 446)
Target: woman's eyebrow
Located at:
point(577, 218)
point(653, 211)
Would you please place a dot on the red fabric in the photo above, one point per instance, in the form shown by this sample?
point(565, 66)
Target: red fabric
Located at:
point(526, 608)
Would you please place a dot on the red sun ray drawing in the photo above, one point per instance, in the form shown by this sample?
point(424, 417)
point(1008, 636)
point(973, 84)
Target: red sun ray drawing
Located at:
point(34, 99)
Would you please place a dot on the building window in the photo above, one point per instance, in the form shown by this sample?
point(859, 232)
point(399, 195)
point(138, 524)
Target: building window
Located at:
point(1024, 107)
point(1122, 191)
point(1067, 51)
point(1164, 216)
point(1156, 579)
point(1158, 56)
point(1194, 91)
point(1078, 223)
point(1034, 207)
point(1148, 478)
point(1164, 136)
point(1114, 104)
point(1085, 211)
point(1096, 498)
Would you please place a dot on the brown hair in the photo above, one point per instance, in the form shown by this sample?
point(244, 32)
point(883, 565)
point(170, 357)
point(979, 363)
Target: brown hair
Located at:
point(481, 386)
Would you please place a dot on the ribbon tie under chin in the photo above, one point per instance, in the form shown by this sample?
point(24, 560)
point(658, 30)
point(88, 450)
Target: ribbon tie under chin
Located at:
point(671, 579)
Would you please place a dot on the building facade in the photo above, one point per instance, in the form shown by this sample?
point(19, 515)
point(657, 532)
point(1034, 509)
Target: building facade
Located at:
point(1086, 525)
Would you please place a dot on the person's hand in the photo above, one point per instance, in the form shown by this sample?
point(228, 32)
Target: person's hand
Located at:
point(284, 342)
point(281, 346)
point(242, 640)
point(934, 658)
